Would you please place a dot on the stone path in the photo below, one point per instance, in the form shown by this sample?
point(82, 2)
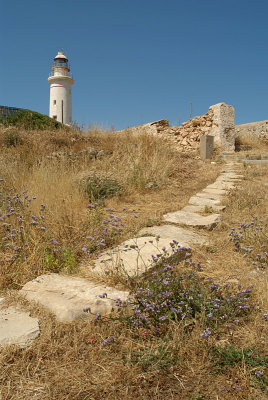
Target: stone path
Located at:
point(67, 297)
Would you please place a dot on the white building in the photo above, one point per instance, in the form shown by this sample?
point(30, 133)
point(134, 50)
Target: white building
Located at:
point(61, 80)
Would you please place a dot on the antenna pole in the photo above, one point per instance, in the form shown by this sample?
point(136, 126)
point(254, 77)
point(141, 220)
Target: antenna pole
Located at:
point(191, 109)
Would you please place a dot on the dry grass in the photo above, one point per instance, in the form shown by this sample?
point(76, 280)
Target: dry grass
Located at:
point(153, 177)
point(67, 361)
point(256, 143)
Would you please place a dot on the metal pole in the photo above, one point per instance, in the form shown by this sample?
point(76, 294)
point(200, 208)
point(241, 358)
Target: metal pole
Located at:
point(191, 109)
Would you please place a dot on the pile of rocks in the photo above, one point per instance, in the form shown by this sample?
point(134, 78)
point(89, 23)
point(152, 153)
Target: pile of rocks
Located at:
point(187, 136)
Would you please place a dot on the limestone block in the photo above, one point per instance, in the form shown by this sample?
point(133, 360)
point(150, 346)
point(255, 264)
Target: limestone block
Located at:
point(191, 219)
point(216, 191)
point(172, 232)
point(67, 297)
point(221, 185)
point(17, 327)
point(211, 196)
point(223, 128)
point(197, 209)
point(134, 256)
point(206, 146)
point(200, 201)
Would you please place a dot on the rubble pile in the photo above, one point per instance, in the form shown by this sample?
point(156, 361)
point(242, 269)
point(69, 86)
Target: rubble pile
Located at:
point(187, 136)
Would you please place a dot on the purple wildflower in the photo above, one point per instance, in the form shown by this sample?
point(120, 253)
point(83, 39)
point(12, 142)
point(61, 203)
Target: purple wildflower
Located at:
point(107, 340)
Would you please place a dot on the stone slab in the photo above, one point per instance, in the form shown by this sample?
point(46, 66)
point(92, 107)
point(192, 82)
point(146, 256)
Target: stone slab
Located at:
point(231, 175)
point(134, 257)
point(257, 162)
point(199, 201)
point(223, 178)
point(211, 196)
point(172, 232)
point(223, 192)
point(191, 219)
point(197, 209)
point(17, 327)
point(206, 146)
point(66, 296)
point(221, 185)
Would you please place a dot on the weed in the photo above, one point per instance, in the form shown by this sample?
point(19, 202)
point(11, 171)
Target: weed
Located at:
point(252, 240)
point(101, 189)
point(12, 138)
point(231, 356)
point(170, 294)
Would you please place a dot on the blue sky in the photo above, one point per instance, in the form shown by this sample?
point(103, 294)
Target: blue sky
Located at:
point(138, 61)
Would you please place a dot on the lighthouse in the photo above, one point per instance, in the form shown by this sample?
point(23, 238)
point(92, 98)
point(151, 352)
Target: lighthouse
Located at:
point(61, 80)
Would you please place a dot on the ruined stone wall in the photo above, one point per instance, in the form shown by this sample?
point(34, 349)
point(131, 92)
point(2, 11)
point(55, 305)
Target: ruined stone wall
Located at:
point(187, 136)
point(152, 128)
point(223, 127)
point(218, 122)
point(257, 129)
point(7, 111)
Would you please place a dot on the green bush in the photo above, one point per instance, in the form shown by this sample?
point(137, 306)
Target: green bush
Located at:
point(100, 189)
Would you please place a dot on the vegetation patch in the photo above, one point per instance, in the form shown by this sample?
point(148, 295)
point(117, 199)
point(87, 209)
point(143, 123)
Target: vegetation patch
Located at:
point(28, 119)
point(99, 189)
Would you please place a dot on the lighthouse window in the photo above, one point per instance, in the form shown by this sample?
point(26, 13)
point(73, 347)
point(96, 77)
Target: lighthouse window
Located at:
point(54, 101)
point(54, 116)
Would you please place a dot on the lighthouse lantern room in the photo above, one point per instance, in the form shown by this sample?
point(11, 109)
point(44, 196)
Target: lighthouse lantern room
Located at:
point(61, 80)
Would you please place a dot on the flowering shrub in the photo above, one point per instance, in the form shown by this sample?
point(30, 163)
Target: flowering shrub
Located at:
point(105, 228)
point(20, 229)
point(172, 294)
point(252, 240)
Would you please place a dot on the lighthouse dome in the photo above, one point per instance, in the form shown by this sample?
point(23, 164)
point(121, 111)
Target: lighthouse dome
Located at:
point(61, 60)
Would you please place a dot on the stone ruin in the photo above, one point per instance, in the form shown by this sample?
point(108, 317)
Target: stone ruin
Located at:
point(217, 122)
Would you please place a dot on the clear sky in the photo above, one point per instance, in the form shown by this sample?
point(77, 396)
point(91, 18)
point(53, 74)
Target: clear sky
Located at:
point(136, 61)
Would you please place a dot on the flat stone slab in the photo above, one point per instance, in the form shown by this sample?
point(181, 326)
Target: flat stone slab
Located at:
point(258, 162)
point(231, 175)
point(67, 297)
point(17, 327)
point(197, 209)
point(134, 256)
point(221, 185)
point(191, 219)
point(216, 191)
point(212, 196)
point(172, 232)
point(223, 178)
point(199, 201)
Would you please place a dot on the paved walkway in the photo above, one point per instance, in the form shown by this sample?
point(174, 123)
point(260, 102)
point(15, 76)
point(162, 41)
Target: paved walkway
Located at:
point(68, 297)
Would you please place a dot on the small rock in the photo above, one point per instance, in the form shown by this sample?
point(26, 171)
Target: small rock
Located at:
point(17, 327)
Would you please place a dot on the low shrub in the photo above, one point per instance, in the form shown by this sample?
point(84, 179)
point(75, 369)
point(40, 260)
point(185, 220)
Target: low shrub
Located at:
point(100, 189)
point(252, 240)
point(12, 138)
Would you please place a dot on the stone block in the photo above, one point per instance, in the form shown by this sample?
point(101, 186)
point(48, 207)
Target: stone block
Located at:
point(134, 256)
point(223, 128)
point(17, 327)
point(197, 209)
point(201, 201)
point(67, 297)
point(206, 146)
point(172, 232)
point(191, 219)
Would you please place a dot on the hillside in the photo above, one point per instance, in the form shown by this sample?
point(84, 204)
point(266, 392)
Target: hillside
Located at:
point(28, 119)
point(196, 324)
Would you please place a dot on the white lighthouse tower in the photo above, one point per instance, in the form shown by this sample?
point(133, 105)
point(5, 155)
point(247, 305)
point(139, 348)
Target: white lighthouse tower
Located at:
point(61, 80)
